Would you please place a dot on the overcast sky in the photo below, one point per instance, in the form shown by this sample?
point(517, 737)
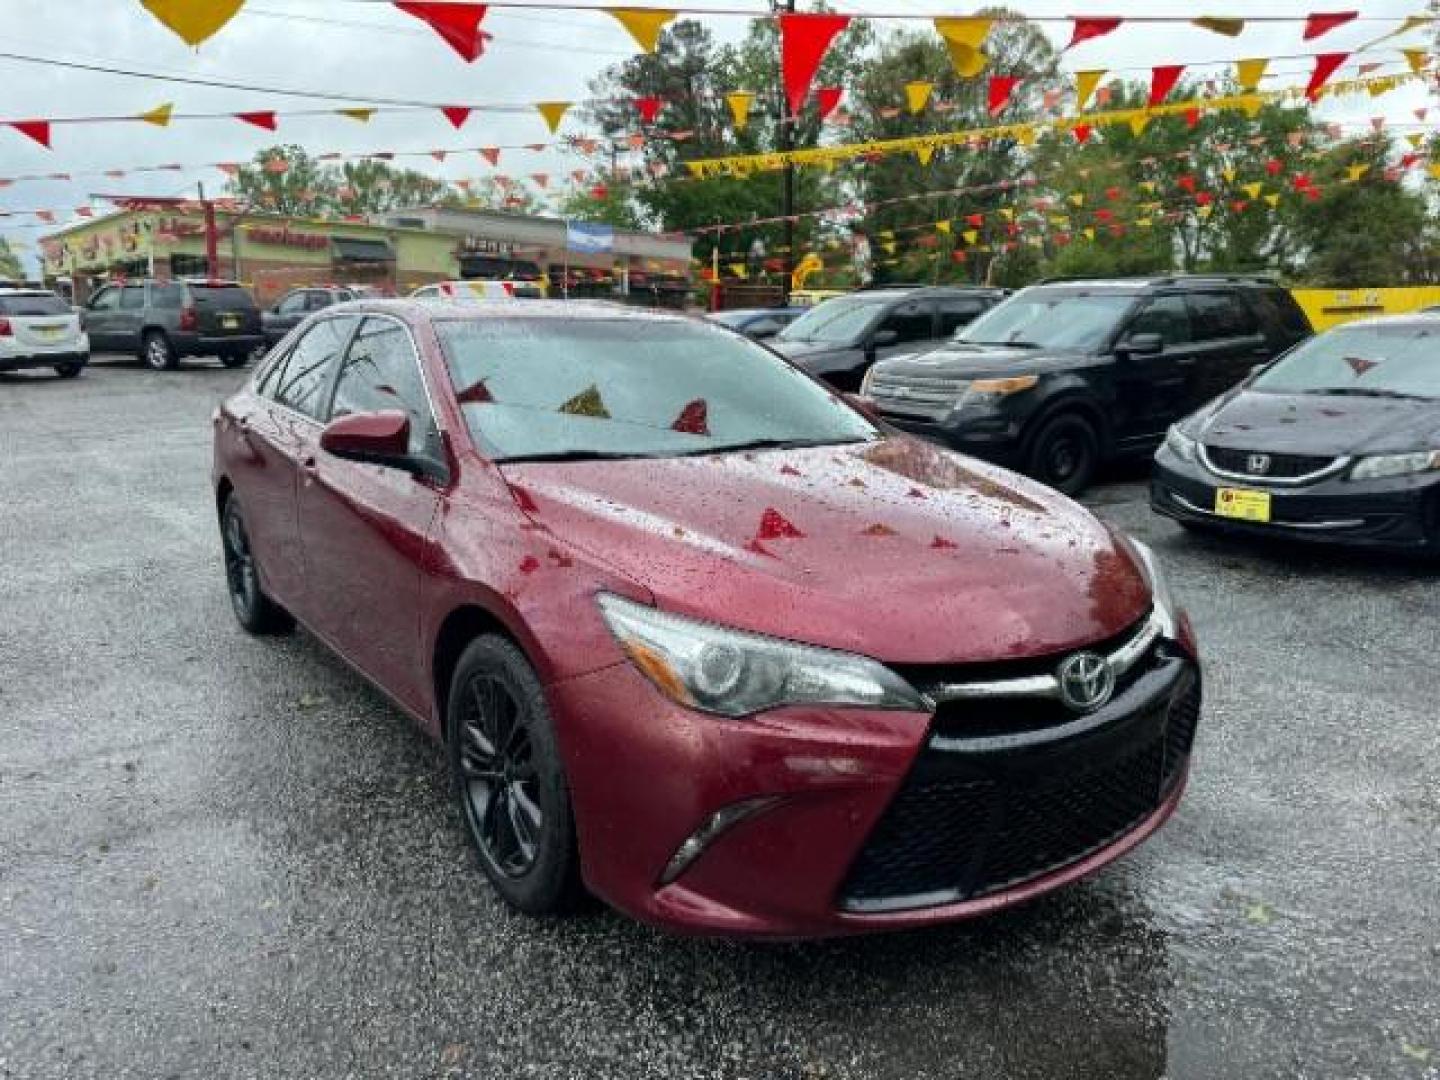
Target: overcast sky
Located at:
point(371, 50)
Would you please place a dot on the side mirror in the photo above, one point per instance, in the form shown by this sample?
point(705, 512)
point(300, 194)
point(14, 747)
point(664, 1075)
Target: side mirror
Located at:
point(764, 332)
point(1142, 345)
point(883, 339)
point(375, 438)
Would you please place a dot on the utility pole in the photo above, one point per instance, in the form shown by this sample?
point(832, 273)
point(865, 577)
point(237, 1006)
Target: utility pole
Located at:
point(787, 143)
point(212, 242)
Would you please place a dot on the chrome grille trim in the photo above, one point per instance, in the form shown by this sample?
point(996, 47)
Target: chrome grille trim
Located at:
point(1336, 466)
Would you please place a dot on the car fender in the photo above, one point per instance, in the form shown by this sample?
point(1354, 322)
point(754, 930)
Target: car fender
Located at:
point(1066, 392)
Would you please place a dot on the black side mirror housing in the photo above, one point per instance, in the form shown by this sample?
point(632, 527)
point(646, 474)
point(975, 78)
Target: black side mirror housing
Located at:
point(1141, 345)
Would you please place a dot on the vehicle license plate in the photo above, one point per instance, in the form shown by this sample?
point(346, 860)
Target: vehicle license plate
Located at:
point(230, 322)
point(1243, 505)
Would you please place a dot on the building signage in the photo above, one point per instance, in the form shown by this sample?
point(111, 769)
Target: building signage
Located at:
point(283, 237)
point(483, 245)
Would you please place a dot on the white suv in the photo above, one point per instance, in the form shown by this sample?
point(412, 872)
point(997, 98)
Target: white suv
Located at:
point(38, 329)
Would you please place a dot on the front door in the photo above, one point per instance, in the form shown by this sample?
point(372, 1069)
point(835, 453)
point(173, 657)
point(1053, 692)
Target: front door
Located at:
point(366, 528)
point(129, 319)
point(100, 317)
point(1152, 389)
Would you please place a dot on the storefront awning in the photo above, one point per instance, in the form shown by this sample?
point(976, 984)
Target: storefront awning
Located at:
point(349, 250)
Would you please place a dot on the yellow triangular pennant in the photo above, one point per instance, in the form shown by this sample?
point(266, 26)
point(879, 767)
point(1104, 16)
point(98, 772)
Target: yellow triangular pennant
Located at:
point(1248, 73)
point(553, 112)
point(363, 115)
point(1085, 83)
point(1415, 139)
point(964, 37)
point(1355, 172)
point(1138, 123)
point(159, 116)
point(1078, 199)
point(1205, 211)
point(923, 154)
point(1007, 213)
point(1025, 134)
point(194, 20)
point(1253, 190)
point(943, 227)
point(1250, 104)
point(1147, 186)
point(644, 24)
point(917, 95)
point(1089, 234)
point(889, 246)
point(970, 236)
point(1229, 175)
point(1142, 223)
point(1417, 59)
point(740, 103)
point(1226, 27)
point(1273, 200)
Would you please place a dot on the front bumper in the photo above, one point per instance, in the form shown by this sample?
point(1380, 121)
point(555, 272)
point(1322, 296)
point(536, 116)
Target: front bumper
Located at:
point(1401, 512)
point(881, 821)
point(23, 361)
point(986, 433)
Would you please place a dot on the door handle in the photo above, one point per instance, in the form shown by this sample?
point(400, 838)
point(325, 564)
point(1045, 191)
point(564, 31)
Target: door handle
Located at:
point(309, 463)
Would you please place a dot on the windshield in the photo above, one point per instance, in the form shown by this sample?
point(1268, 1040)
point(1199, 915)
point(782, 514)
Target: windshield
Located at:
point(538, 388)
point(1051, 319)
point(1401, 360)
point(840, 321)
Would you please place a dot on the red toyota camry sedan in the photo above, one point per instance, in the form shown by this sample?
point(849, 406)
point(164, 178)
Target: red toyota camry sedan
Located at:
point(696, 634)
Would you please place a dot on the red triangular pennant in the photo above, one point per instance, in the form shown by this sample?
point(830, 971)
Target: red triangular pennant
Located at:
point(774, 526)
point(649, 108)
point(491, 154)
point(1324, 22)
point(39, 130)
point(803, 42)
point(1001, 87)
point(693, 420)
point(457, 115)
point(1163, 80)
point(458, 24)
point(828, 98)
point(1082, 133)
point(1086, 29)
point(264, 119)
point(1325, 65)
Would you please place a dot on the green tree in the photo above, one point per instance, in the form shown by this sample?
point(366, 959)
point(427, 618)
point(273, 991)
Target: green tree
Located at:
point(376, 187)
point(10, 264)
point(285, 180)
point(610, 202)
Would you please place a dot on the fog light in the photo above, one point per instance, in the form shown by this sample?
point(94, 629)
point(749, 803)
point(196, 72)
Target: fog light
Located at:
point(715, 825)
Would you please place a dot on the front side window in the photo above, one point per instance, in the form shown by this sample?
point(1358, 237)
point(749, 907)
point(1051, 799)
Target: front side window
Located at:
point(1368, 361)
point(1221, 315)
point(1167, 316)
point(911, 322)
point(294, 304)
point(107, 299)
point(1052, 317)
point(957, 314)
point(381, 371)
point(302, 385)
point(548, 388)
point(841, 321)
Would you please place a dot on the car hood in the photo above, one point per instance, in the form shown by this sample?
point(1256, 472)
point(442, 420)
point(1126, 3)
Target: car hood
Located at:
point(1319, 424)
point(961, 360)
point(800, 351)
point(894, 549)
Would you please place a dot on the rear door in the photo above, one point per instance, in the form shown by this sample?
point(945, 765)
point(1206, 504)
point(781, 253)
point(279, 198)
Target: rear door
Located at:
point(1151, 391)
point(365, 528)
point(1228, 342)
point(276, 435)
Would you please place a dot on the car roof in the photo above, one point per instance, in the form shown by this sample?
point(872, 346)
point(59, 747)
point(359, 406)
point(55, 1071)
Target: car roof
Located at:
point(1428, 318)
point(1148, 281)
point(6, 290)
point(437, 308)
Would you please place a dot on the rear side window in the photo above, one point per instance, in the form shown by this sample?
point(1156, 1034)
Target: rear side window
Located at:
point(382, 371)
point(1221, 315)
point(911, 320)
point(221, 297)
point(132, 297)
point(1280, 310)
point(307, 372)
point(168, 296)
point(955, 314)
point(33, 305)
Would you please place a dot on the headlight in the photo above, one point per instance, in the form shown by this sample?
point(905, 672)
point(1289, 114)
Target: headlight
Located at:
point(1160, 593)
point(982, 389)
point(867, 380)
point(735, 673)
point(1380, 466)
point(1180, 444)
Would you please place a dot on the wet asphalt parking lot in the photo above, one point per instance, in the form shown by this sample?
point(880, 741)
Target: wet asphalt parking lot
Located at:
point(227, 857)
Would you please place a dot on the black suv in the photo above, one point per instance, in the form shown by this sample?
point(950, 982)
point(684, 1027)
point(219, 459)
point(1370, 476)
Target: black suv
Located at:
point(1068, 373)
point(297, 305)
point(839, 339)
point(162, 321)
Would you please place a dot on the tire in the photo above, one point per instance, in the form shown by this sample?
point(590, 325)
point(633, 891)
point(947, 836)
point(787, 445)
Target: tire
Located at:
point(234, 359)
point(157, 352)
point(255, 611)
point(1065, 453)
point(69, 371)
point(508, 779)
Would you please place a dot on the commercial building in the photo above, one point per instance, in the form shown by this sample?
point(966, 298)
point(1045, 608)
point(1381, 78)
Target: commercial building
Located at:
point(396, 252)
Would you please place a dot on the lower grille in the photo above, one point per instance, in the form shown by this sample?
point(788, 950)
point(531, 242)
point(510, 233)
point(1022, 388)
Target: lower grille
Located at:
point(1276, 466)
point(947, 839)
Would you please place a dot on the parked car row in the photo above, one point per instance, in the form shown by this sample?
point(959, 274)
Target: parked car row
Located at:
point(40, 330)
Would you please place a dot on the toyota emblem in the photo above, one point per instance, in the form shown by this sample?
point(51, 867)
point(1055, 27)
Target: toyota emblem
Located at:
point(1086, 681)
point(1258, 464)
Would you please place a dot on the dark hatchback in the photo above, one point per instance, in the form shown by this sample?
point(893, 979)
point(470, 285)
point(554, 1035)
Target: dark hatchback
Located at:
point(1337, 441)
point(839, 339)
point(1067, 374)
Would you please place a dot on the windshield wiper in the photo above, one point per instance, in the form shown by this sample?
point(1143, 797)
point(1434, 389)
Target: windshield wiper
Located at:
point(574, 455)
point(1002, 344)
point(771, 444)
point(1365, 391)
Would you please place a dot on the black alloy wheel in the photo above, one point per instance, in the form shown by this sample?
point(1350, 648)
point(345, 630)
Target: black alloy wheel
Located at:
point(234, 359)
point(255, 611)
point(69, 371)
point(1065, 453)
point(508, 778)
